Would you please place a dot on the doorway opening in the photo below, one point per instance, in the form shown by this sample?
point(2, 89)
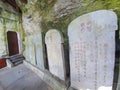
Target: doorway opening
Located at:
point(13, 46)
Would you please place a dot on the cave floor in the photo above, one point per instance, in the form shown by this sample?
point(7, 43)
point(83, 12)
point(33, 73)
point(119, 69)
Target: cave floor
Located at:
point(21, 78)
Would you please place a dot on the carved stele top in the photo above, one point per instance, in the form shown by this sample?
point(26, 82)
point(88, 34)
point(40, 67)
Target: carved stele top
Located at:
point(104, 20)
point(55, 53)
point(53, 36)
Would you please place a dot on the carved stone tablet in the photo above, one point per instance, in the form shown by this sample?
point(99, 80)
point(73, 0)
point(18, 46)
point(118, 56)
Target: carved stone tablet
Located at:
point(92, 50)
point(34, 50)
point(55, 53)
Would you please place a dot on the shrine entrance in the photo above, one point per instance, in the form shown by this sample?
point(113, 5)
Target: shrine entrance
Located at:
point(13, 47)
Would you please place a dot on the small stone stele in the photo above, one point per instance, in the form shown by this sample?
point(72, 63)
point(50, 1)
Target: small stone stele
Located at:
point(56, 61)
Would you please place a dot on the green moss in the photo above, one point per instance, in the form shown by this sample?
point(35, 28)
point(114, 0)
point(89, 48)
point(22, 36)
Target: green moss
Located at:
point(44, 5)
point(45, 8)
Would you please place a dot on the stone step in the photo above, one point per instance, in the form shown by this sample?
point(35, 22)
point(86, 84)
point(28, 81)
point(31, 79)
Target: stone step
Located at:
point(16, 59)
point(16, 56)
point(17, 63)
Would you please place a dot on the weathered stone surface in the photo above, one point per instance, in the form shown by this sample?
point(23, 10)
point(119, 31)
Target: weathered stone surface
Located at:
point(30, 52)
point(38, 48)
point(9, 21)
point(92, 50)
point(33, 41)
point(34, 25)
point(55, 53)
point(54, 82)
point(1, 24)
point(34, 50)
point(6, 6)
point(11, 25)
point(64, 7)
point(2, 43)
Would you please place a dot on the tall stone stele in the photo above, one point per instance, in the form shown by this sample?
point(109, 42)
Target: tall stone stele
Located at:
point(55, 53)
point(92, 50)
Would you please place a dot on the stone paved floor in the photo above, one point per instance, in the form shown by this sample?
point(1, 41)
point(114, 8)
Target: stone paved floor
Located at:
point(21, 78)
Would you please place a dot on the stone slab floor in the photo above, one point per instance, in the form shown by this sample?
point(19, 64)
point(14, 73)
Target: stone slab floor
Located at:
point(21, 78)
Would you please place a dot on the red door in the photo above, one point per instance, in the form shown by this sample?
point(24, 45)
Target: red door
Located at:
point(12, 43)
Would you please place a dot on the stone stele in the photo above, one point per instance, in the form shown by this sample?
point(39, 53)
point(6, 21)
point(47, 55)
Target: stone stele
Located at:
point(55, 52)
point(92, 50)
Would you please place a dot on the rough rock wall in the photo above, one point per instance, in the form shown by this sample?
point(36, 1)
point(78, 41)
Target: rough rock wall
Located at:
point(9, 20)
